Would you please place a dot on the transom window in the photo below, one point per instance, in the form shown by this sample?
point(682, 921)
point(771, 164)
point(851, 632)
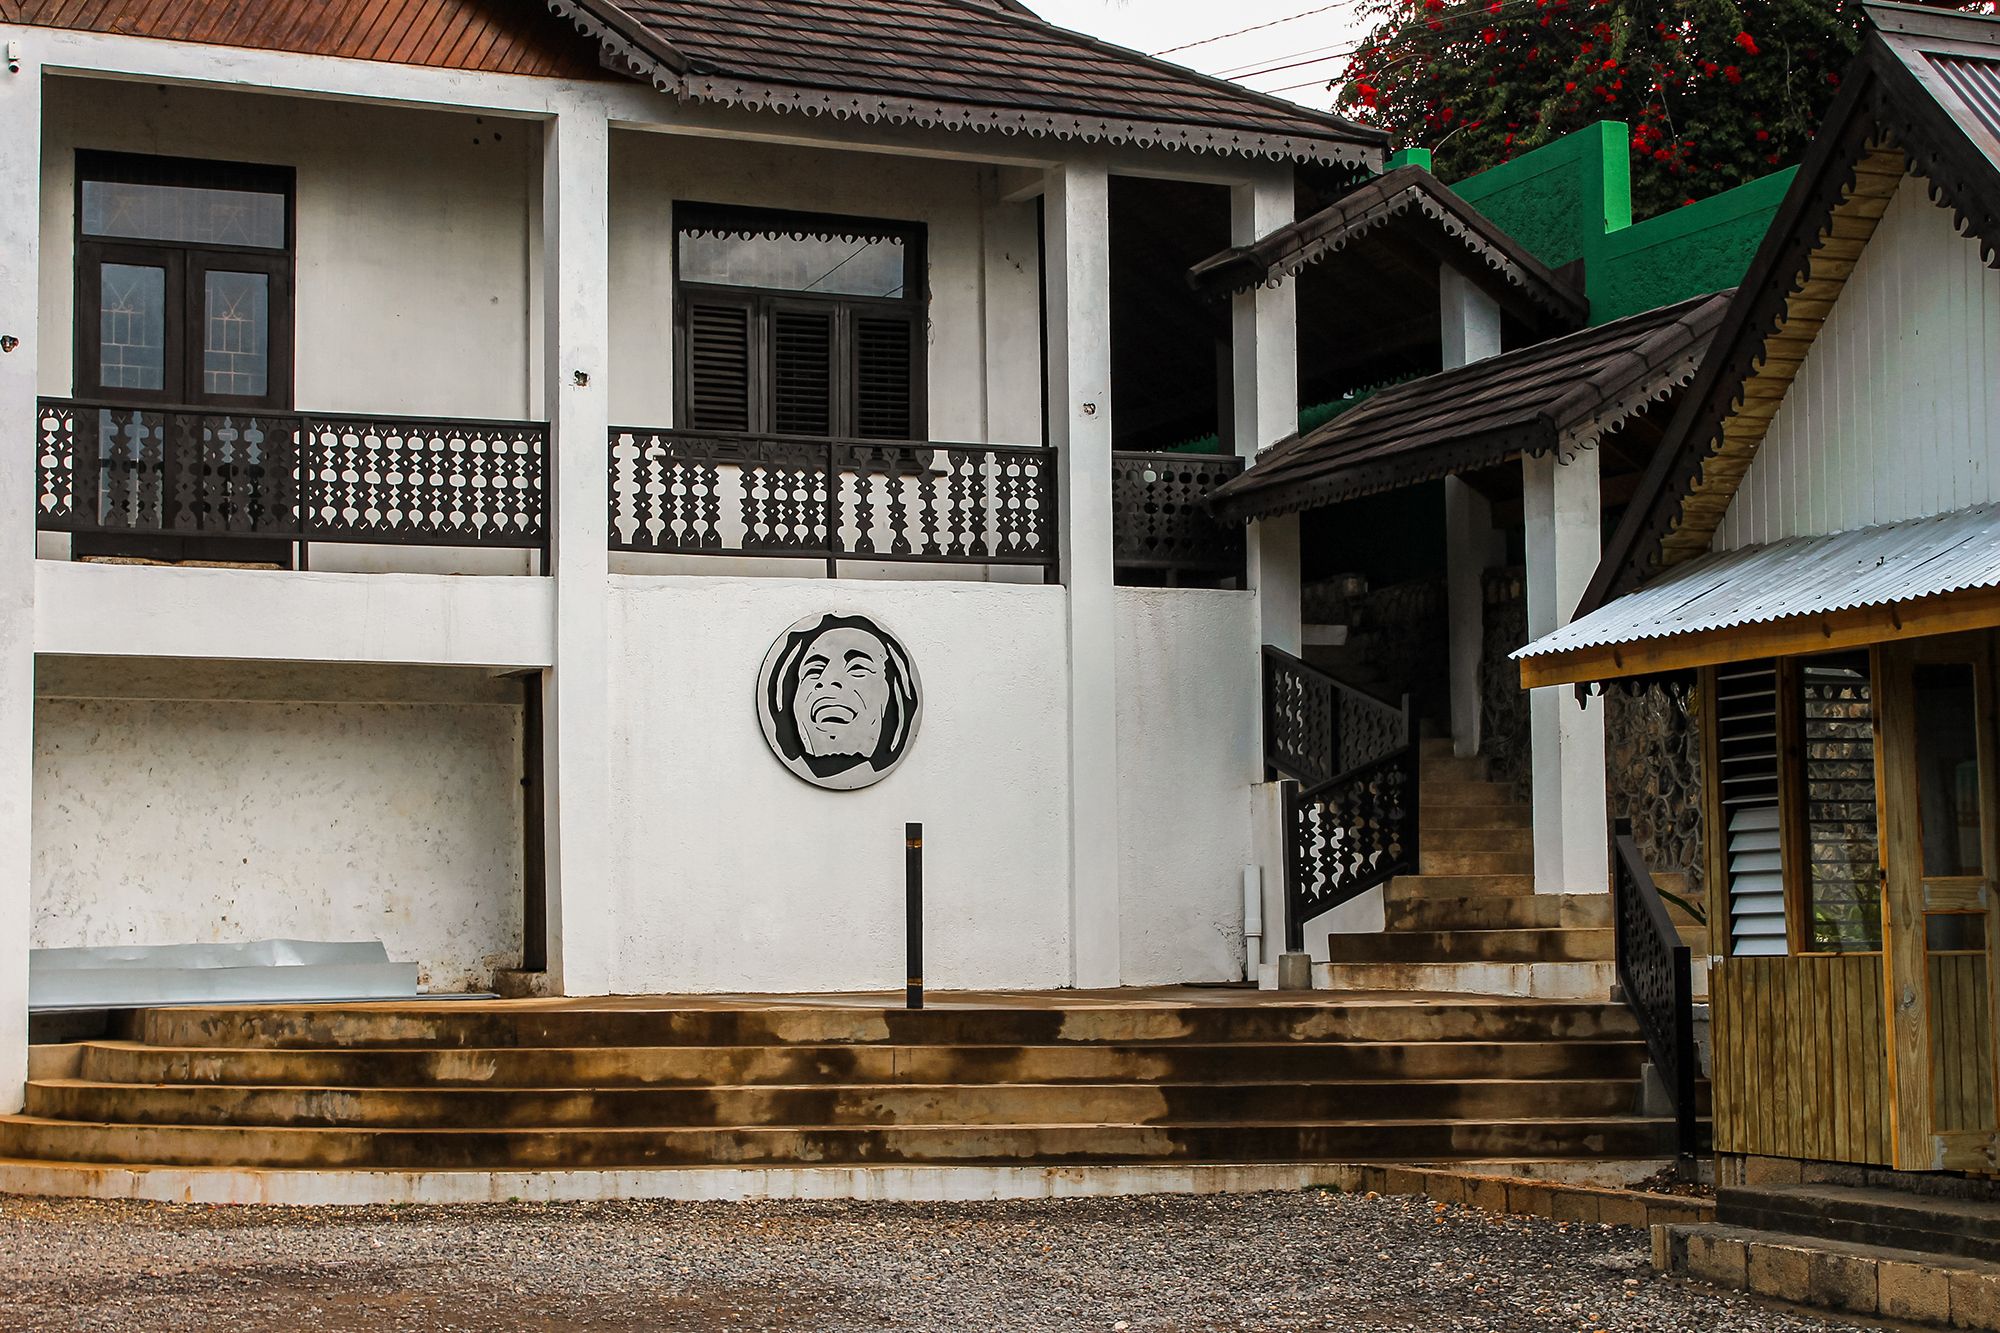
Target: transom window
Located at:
point(799, 324)
point(183, 281)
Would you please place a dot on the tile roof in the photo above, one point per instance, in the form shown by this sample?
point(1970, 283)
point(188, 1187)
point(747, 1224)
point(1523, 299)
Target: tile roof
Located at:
point(958, 64)
point(1878, 566)
point(1408, 200)
point(1562, 395)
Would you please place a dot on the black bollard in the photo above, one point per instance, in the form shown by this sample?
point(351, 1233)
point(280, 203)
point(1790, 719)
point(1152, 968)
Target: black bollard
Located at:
point(913, 902)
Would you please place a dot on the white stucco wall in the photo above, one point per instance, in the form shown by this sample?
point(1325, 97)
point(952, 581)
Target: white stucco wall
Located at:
point(174, 820)
point(730, 874)
point(1188, 688)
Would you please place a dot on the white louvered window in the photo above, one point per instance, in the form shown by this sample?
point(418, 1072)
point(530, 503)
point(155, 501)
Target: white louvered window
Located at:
point(1746, 715)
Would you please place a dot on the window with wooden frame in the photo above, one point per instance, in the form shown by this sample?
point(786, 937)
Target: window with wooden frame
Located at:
point(183, 281)
point(1798, 853)
point(799, 324)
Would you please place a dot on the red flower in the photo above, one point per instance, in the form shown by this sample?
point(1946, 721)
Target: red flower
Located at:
point(1747, 42)
point(1733, 74)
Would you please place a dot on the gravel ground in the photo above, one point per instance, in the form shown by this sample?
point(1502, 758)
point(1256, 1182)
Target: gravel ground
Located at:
point(1274, 1261)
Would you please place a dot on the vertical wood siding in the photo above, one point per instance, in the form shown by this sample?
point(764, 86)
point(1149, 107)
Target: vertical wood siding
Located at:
point(497, 36)
point(1896, 412)
point(1800, 1066)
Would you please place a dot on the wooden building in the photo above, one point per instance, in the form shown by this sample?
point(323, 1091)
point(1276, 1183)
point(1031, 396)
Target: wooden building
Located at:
point(1817, 546)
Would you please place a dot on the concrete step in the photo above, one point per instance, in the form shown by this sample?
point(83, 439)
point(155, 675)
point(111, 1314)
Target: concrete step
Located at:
point(702, 1066)
point(1906, 1287)
point(1582, 945)
point(550, 1149)
point(1533, 911)
point(1416, 888)
point(1447, 767)
point(1454, 815)
point(831, 1105)
point(1434, 862)
point(1968, 1228)
point(1458, 791)
point(477, 1025)
point(1478, 840)
point(1546, 981)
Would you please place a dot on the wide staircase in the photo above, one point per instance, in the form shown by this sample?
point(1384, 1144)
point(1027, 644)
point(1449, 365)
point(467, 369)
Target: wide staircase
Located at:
point(1089, 1078)
point(1470, 921)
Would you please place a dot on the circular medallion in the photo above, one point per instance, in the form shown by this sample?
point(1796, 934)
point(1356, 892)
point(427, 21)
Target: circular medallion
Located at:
point(839, 700)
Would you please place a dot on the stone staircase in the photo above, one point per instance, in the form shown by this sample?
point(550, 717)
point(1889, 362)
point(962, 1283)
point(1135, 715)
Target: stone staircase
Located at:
point(1470, 921)
point(1177, 1076)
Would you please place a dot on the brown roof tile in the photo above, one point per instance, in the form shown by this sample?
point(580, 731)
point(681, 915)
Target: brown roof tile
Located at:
point(1564, 394)
point(961, 64)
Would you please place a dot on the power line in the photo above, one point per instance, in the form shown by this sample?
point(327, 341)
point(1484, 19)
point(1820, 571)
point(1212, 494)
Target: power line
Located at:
point(1256, 27)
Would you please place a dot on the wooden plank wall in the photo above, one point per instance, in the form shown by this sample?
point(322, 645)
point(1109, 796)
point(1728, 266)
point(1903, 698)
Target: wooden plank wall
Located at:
point(498, 36)
point(1961, 1043)
point(1801, 1063)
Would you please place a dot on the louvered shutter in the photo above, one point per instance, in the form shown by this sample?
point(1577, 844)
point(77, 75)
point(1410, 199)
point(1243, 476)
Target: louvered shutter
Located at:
point(885, 352)
point(718, 366)
point(801, 371)
point(1746, 714)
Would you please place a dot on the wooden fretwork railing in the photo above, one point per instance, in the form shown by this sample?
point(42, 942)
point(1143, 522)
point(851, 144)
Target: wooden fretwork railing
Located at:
point(1350, 818)
point(1655, 972)
point(709, 493)
point(1161, 528)
point(117, 469)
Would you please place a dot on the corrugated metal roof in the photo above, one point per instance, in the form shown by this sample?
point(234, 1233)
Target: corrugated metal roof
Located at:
point(1977, 83)
point(1895, 562)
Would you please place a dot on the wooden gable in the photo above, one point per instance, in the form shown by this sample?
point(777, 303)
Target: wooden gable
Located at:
point(493, 36)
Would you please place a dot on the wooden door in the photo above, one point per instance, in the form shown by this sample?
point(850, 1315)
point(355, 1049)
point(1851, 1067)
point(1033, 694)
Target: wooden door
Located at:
point(1937, 785)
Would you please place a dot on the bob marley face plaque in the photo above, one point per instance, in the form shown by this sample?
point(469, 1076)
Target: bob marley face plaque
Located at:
point(839, 701)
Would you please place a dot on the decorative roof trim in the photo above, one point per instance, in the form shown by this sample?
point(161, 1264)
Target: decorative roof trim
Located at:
point(1406, 192)
point(1234, 502)
point(873, 109)
point(632, 48)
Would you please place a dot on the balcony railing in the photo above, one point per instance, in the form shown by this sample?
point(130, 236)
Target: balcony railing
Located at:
point(117, 469)
point(1162, 530)
point(694, 493)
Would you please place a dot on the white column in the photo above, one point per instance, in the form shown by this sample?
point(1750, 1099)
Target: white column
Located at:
point(1470, 326)
point(1078, 264)
point(20, 302)
point(1265, 395)
point(576, 719)
point(1572, 839)
point(1264, 350)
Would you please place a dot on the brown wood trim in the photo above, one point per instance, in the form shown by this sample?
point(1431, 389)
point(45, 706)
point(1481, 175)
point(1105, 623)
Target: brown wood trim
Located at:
point(1860, 627)
point(1794, 846)
point(1715, 848)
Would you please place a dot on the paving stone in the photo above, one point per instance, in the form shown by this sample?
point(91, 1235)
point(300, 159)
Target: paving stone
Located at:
point(1913, 1291)
point(1842, 1282)
point(1780, 1271)
point(1975, 1300)
point(1717, 1259)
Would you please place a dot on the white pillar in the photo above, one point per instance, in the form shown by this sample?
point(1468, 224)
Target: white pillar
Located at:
point(1264, 350)
point(1470, 327)
point(576, 719)
point(1564, 536)
point(20, 303)
point(1077, 248)
point(1265, 396)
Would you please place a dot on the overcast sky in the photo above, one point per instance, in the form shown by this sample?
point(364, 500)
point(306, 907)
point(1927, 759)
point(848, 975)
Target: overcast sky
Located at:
point(1155, 25)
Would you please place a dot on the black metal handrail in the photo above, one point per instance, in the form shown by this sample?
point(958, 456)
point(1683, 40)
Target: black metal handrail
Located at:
point(1351, 802)
point(713, 493)
point(1656, 975)
point(119, 468)
point(1160, 518)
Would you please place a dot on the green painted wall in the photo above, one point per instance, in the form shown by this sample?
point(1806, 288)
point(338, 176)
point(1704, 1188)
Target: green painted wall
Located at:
point(1572, 199)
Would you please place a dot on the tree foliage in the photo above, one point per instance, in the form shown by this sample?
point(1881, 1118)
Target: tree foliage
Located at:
point(1716, 92)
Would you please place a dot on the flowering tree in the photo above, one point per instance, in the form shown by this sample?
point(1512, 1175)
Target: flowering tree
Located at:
point(1717, 92)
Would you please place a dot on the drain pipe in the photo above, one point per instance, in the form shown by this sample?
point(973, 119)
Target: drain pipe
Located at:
point(1253, 921)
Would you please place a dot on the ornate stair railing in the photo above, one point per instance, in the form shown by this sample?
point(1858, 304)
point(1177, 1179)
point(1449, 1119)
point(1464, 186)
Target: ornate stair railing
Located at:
point(1350, 817)
point(1655, 972)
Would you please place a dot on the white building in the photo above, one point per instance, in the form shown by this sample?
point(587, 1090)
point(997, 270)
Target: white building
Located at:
point(421, 431)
